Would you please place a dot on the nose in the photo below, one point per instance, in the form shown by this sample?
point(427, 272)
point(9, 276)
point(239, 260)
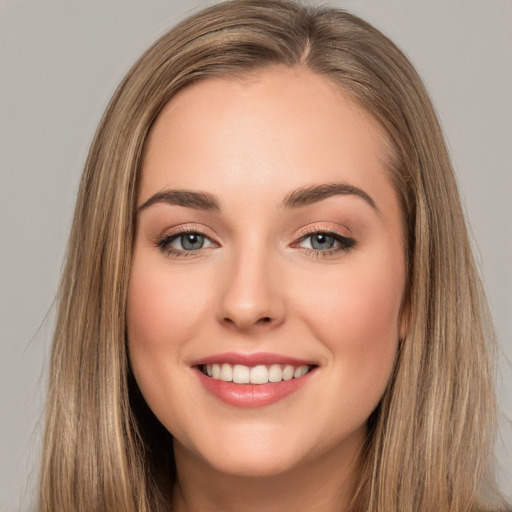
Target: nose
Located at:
point(251, 294)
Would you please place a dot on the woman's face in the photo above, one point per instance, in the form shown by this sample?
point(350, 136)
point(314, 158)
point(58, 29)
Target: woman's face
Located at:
point(269, 243)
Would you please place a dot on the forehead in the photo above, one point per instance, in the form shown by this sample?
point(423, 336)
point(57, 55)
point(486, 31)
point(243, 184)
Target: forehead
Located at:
point(278, 129)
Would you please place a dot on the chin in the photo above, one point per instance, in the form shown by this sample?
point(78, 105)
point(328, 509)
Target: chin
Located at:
point(255, 455)
point(254, 465)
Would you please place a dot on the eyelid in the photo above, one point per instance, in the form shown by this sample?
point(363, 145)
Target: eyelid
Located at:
point(162, 241)
point(187, 228)
point(325, 228)
point(342, 235)
point(345, 241)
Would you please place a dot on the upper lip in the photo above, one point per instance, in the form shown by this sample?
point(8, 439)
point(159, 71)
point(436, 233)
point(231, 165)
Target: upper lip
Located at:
point(254, 359)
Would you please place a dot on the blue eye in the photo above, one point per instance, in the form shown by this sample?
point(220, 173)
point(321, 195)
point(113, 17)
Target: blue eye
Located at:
point(322, 241)
point(326, 242)
point(184, 242)
point(191, 241)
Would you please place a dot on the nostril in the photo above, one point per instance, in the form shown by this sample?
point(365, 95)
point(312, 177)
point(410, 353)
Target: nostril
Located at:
point(248, 323)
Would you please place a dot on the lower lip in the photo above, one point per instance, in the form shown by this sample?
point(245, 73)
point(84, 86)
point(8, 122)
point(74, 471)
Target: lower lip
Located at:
point(252, 395)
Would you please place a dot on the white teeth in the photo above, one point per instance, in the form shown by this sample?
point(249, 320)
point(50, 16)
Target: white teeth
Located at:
point(241, 374)
point(288, 372)
point(226, 372)
point(259, 374)
point(297, 372)
point(275, 374)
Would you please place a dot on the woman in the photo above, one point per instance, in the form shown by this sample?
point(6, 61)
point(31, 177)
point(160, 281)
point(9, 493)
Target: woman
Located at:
point(269, 299)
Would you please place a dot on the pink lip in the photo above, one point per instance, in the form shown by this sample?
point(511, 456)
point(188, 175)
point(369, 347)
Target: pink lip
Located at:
point(251, 395)
point(251, 359)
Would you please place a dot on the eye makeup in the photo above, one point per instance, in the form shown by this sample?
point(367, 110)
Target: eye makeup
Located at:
point(324, 242)
point(319, 242)
point(192, 240)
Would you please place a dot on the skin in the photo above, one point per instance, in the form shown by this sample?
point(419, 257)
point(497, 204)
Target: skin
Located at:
point(258, 286)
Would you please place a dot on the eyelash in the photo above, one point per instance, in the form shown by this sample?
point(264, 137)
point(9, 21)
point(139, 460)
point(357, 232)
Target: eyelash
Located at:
point(345, 243)
point(164, 243)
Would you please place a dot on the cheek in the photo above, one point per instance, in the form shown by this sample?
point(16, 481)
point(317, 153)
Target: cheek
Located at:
point(163, 308)
point(356, 315)
point(164, 312)
point(361, 306)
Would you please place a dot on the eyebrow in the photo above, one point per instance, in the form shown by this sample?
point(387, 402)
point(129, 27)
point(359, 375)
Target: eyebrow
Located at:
point(298, 198)
point(309, 195)
point(187, 198)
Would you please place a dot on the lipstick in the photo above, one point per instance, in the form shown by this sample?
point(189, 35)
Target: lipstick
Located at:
point(252, 380)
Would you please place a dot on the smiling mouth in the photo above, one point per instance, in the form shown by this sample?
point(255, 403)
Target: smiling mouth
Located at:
point(259, 374)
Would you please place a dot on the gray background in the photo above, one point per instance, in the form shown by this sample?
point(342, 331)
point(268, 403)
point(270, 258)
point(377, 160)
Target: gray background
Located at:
point(60, 61)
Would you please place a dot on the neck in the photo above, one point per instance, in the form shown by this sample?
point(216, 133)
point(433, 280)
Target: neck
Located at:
point(325, 484)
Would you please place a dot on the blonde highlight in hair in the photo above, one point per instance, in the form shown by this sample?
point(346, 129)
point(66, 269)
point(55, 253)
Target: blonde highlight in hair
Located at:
point(431, 438)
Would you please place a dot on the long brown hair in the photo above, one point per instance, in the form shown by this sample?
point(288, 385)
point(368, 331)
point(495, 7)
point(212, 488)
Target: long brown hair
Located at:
point(431, 438)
